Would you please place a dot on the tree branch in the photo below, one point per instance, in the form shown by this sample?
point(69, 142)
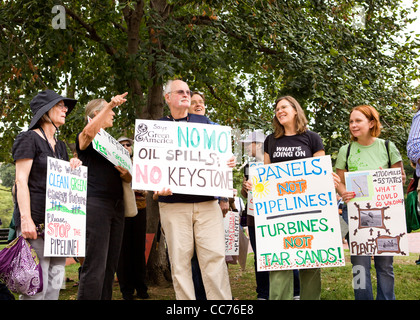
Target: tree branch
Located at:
point(207, 21)
point(91, 31)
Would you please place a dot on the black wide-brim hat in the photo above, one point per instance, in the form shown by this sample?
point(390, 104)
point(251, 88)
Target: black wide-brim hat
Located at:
point(44, 101)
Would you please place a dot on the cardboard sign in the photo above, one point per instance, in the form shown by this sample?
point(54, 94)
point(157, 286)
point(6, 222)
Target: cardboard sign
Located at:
point(188, 158)
point(65, 210)
point(250, 200)
point(231, 223)
point(296, 215)
point(111, 149)
point(376, 215)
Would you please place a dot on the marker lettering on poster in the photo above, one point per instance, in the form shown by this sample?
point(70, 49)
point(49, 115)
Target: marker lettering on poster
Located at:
point(377, 214)
point(231, 224)
point(107, 146)
point(296, 216)
point(189, 158)
point(65, 209)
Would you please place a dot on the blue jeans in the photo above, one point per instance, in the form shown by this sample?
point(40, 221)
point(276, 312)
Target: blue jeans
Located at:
point(362, 283)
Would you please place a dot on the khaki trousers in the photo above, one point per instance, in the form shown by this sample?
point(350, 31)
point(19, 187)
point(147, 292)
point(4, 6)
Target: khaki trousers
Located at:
point(199, 224)
point(281, 284)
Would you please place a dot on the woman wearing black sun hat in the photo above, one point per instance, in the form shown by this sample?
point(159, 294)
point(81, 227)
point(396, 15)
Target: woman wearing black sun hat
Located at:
point(30, 151)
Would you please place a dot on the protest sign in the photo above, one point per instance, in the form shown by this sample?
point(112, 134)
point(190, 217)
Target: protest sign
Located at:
point(188, 158)
point(296, 215)
point(111, 149)
point(376, 215)
point(231, 223)
point(65, 210)
point(250, 200)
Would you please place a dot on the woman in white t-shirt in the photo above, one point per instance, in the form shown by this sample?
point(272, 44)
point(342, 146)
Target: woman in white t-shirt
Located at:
point(368, 152)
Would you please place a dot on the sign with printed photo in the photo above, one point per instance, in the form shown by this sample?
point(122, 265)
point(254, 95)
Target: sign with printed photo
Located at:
point(377, 213)
point(65, 210)
point(296, 215)
point(188, 158)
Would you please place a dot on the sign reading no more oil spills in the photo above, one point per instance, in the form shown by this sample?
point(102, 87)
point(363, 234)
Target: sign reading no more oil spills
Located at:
point(188, 158)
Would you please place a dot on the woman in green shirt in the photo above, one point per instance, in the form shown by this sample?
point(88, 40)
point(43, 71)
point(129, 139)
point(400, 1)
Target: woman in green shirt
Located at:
point(368, 152)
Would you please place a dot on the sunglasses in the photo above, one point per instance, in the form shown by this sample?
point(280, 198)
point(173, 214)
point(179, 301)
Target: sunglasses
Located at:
point(126, 144)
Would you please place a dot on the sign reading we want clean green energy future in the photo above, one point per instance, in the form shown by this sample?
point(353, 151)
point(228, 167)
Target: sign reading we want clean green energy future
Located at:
point(188, 158)
point(65, 209)
point(296, 215)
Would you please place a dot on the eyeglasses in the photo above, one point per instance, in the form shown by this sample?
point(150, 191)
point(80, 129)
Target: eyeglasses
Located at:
point(126, 144)
point(61, 106)
point(182, 92)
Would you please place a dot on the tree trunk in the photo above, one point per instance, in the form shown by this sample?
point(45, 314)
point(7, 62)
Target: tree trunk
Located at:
point(158, 270)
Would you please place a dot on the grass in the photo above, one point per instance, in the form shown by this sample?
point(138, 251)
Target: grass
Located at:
point(336, 282)
point(6, 206)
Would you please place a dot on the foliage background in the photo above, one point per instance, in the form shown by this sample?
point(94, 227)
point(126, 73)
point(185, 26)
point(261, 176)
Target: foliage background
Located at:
point(243, 54)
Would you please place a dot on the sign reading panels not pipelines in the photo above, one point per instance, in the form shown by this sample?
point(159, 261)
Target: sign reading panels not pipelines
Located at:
point(296, 215)
point(188, 158)
point(65, 210)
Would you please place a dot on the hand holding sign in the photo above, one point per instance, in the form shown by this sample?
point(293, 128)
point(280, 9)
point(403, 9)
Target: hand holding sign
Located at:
point(164, 192)
point(124, 174)
point(75, 162)
point(231, 163)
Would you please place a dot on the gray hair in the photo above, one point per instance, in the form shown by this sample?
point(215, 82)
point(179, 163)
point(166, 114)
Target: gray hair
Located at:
point(94, 105)
point(167, 88)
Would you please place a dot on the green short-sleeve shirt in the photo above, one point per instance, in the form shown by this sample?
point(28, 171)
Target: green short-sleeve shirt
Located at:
point(371, 157)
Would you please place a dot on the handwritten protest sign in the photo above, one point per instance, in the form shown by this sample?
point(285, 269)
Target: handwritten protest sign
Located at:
point(250, 199)
point(296, 215)
point(65, 210)
point(111, 149)
point(376, 215)
point(231, 223)
point(188, 158)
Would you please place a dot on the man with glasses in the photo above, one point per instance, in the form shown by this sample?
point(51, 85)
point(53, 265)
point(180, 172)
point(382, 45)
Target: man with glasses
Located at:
point(190, 221)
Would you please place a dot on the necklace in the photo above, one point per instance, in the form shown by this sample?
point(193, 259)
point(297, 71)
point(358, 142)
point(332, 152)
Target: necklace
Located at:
point(56, 154)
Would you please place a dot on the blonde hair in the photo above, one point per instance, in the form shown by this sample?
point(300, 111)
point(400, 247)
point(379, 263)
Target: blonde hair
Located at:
point(372, 115)
point(94, 105)
point(301, 121)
